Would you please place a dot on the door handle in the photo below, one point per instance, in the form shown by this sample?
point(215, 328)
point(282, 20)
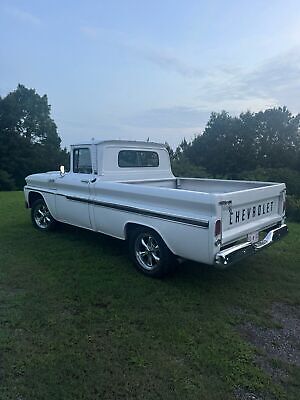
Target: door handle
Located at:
point(88, 180)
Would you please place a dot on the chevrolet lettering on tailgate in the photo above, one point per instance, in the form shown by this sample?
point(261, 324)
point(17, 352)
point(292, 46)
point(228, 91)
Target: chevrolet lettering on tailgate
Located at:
point(250, 211)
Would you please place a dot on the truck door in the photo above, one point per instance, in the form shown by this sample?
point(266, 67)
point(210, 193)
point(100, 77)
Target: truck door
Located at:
point(73, 190)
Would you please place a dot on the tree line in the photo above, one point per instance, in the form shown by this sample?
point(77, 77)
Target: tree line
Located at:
point(231, 145)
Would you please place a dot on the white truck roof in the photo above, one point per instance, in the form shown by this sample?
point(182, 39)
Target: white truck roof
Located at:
point(119, 142)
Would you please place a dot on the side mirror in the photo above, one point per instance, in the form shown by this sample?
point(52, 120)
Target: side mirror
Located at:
point(62, 170)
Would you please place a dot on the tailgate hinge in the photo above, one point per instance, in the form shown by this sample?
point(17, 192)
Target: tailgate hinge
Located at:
point(225, 203)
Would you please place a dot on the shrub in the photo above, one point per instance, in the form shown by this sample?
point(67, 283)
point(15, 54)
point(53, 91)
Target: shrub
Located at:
point(6, 181)
point(289, 176)
point(293, 208)
point(184, 168)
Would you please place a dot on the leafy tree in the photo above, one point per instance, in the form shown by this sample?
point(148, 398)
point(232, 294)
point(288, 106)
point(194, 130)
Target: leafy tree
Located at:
point(278, 138)
point(213, 149)
point(29, 141)
point(170, 150)
point(229, 145)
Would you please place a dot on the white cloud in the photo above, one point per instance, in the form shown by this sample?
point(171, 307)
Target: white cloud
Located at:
point(90, 32)
point(164, 58)
point(274, 82)
point(23, 16)
point(170, 118)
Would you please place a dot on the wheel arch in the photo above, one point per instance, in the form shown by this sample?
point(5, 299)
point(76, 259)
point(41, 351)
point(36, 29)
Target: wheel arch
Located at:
point(49, 200)
point(35, 201)
point(33, 196)
point(131, 226)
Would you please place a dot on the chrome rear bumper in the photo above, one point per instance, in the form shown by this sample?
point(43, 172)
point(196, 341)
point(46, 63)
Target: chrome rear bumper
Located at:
point(236, 253)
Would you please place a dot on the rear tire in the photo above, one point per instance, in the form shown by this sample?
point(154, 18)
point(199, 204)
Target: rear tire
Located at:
point(149, 253)
point(41, 217)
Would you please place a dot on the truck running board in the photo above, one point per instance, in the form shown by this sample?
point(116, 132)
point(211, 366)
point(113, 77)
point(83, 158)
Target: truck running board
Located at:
point(236, 253)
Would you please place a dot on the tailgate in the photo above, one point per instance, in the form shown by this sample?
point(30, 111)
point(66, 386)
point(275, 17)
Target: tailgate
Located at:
point(250, 211)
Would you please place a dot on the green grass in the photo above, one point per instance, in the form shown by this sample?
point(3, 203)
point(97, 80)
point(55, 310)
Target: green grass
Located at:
point(77, 321)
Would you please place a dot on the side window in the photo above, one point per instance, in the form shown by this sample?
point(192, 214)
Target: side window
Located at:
point(137, 158)
point(82, 161)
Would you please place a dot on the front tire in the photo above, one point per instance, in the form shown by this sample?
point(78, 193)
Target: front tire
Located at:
point(150, 254)
point(41, 217)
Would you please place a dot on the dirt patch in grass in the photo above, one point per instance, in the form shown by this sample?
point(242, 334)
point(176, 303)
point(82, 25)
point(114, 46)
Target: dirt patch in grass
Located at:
point(242, 394)
point(278, 346)
point(280, 342)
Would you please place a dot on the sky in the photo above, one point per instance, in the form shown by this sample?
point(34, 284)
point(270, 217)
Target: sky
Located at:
point(129, 69)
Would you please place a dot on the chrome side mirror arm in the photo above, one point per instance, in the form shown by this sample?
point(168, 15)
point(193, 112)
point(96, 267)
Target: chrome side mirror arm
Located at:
point(62, 170)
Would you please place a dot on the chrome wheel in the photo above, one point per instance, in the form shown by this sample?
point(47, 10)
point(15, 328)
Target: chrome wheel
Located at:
point(147, 251)
point(42, 216)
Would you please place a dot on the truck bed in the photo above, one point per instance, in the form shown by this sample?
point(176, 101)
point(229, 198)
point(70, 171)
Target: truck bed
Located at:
point(244, 206)
point(213, 186)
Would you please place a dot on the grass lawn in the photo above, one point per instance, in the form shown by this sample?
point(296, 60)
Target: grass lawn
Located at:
point(77, 321)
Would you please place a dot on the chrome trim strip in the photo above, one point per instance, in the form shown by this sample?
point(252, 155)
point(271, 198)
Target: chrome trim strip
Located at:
point(31, 188)
point(183, 220)
point(189, 221)
point(236, 253)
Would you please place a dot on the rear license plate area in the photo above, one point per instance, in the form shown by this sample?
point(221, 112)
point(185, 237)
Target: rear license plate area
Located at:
point(253, 237)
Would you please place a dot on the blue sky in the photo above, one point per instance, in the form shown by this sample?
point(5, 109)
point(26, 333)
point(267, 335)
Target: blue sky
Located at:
point(157, 69)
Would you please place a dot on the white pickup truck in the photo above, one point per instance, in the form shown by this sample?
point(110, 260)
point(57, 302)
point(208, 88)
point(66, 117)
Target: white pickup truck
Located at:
point(126, 189)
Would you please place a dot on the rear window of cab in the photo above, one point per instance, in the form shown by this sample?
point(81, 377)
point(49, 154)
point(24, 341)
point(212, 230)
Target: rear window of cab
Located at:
point(137, 159)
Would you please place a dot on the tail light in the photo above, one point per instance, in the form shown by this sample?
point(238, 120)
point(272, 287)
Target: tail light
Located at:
point(218, 227)
point(283, 205)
